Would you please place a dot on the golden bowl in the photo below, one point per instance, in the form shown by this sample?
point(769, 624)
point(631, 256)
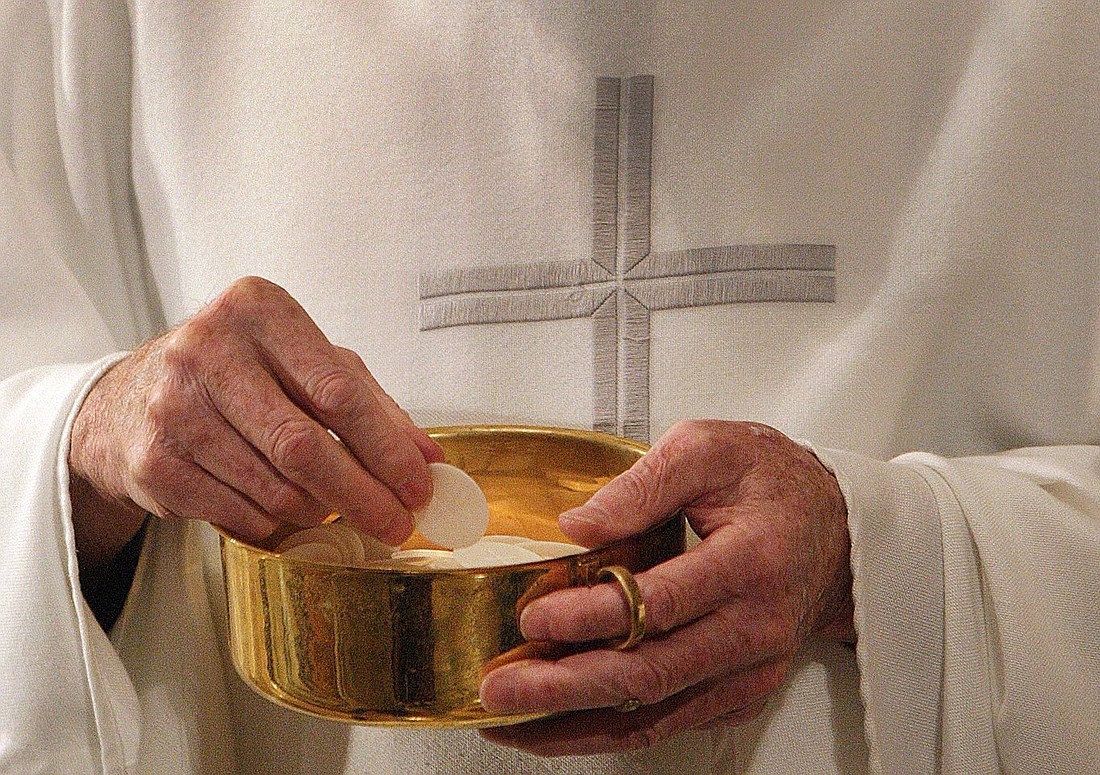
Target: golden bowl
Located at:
point(410, 647)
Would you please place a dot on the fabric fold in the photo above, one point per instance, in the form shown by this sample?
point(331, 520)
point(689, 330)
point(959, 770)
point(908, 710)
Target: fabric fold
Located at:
point(67, 702)
point(896, 555)
point(971, 577)
point(1022, 602)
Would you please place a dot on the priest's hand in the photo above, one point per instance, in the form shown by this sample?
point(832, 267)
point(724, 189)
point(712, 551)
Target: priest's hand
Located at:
point(724, 620)
point(226, 419)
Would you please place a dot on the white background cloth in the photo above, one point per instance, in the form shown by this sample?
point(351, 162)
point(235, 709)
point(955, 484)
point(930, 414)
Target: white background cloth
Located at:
point(153, 152)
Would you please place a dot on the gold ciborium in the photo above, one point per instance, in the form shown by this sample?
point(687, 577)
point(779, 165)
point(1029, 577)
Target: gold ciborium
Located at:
point(410, 647)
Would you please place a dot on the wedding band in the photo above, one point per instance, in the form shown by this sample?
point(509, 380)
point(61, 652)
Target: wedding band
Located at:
point(629, 706)
point(634, 602)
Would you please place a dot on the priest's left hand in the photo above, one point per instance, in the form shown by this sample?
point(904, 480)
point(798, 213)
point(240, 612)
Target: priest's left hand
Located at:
point(724, 620)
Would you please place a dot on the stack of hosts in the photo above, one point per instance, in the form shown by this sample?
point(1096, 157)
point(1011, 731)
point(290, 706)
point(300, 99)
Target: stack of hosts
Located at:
point(870, 226)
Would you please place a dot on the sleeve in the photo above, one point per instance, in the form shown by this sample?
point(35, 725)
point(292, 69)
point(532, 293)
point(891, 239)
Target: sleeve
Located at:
point(977, 590)
point(67, 703)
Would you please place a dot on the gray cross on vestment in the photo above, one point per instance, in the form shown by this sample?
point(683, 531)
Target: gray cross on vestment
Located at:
point(623, 281)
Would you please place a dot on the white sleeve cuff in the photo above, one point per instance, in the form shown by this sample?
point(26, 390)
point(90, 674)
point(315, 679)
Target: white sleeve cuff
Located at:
point(898, 588)
point(66, 702)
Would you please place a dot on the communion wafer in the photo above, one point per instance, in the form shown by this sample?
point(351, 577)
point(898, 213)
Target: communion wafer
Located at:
point(304, 536)
point(373, 549)
point(349, 546)
point(316, 551)
point(348, 539)
point(551, 550)
point(492, 554)
point(429, 559)
point(505, 539)
point(344, 546)
point(457, 515)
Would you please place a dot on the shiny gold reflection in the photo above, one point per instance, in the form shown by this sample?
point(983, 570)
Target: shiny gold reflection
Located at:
point(409, 647)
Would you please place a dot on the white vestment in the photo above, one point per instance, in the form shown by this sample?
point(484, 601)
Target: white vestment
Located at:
point(902, 201)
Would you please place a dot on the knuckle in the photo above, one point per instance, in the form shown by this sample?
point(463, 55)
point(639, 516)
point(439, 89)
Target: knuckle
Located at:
point(161, 404)
point(645, 680)
point(687, 429)
point(293, 444)
point(762, 431)
point(721, 439)
point(681, 428)
point(251, 288)
point(173, 410)
point(690, 436)
point(184, 348)
point(146, 469)
point(350, 358)
point(244, 300)
point(664, 600)
point(334, 391)
point(194, 358)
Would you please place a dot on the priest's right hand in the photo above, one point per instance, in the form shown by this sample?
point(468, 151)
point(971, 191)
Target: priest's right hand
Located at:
point(227, 419)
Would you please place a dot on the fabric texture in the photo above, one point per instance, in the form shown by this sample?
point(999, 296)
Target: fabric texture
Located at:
point(151, 153)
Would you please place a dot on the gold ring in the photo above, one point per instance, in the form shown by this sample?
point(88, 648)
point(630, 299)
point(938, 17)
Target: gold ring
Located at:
point(629, 706)
point(633, 601)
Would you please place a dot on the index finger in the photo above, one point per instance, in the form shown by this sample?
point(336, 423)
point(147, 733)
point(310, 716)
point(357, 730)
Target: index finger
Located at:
point(723, 567)
point(693, 460)
point(303, 451)
point(334, 387)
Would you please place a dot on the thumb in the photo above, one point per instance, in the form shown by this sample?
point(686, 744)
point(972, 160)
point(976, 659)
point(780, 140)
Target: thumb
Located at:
point(662, 481)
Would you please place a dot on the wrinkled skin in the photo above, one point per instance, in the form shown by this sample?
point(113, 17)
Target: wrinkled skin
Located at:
point(226, 418)
point(724, 620)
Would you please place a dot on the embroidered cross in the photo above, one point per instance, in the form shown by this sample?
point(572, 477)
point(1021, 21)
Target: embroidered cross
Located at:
point(623, 281)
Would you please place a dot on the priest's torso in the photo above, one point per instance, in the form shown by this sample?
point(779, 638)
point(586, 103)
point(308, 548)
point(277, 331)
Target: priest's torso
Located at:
point(870, 225)
point(358, 154)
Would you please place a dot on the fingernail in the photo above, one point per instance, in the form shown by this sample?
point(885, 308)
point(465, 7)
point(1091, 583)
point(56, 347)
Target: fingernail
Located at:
point(497, 692)
point(584, 514)
point(582, 528)
point(574, 516)
point(528, 626)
